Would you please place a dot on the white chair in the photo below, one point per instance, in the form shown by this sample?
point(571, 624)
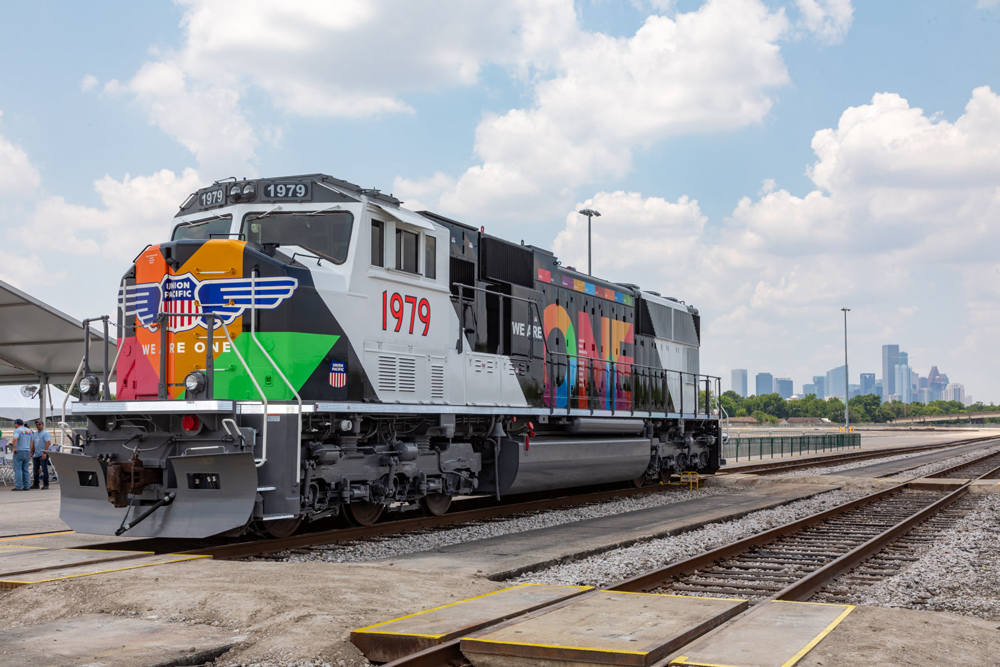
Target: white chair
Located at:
point(6, 466)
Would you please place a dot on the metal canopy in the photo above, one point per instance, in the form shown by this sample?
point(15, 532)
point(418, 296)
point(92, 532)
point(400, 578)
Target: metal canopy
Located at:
point(40, 344)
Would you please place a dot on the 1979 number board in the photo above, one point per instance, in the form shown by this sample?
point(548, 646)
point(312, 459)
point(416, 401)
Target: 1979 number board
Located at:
point(395, 307)
point(286, 191)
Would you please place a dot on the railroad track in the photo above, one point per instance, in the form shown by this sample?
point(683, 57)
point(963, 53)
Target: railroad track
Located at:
point(839, 459)
point(820, 557)
point(985, 467)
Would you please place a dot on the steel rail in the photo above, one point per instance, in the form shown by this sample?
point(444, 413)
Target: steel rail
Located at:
point(447, 654)
point(261, 547)
point(837, 459)
point(947, 472)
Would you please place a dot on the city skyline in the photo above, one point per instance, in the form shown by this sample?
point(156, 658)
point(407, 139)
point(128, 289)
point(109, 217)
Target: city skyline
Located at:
point(906, 384)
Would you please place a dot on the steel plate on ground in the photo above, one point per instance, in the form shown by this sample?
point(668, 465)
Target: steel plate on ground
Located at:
point(774, 634)
point(608, 628)
point(399, 637)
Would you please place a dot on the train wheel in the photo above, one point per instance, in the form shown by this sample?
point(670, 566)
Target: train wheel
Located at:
point(666, 476)
point(639, 481)
point(436, 504)
point(282, 528)
point(363, 514)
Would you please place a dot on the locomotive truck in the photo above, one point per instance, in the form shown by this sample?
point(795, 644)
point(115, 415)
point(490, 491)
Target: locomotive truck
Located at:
point(303, 348)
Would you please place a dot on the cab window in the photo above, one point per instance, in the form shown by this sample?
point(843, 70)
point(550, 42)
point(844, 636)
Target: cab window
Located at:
point(378, 243)
point(407, 244)
point(430, 257)
point(213, 228)
point(326, 234)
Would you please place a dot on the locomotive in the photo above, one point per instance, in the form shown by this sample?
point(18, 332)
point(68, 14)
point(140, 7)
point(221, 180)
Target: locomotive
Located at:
point(303, 348)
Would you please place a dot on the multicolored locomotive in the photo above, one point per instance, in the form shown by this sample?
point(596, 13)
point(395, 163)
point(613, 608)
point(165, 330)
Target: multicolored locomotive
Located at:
point(303, 348)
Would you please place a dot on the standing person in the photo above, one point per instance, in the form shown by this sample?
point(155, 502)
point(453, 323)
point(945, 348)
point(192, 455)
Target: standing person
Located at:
point(21, 441)
point(40, 441)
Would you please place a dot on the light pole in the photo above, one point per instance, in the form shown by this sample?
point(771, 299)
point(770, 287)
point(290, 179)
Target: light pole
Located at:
point(590, 213)
point(847, 384)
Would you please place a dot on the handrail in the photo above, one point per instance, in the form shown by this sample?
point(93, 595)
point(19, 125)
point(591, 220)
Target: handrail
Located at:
point(263, 436)
point(253, 336)
point(62, 424)
point(645, 373)
point(475, 288)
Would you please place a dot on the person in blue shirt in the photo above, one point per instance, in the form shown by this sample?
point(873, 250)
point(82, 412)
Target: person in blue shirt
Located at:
point(21, 441)
point(40, 441)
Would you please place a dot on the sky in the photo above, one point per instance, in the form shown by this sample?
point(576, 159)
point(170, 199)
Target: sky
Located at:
point(768, 161)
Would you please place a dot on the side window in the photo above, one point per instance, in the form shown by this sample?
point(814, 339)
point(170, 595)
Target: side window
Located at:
point(430, 257)
point(406, 251)
point(378, 243)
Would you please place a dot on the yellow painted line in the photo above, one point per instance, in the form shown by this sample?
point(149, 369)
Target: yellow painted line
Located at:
point(31, 537)
point(576, 648)
point(87, 574)
point(683, 660)
point(808, 647)
point(368, 628)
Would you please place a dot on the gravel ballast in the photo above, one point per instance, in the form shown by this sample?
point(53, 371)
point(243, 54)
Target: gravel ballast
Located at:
point(825, 470)
point(931, 468)
point(618, 564)
point(397, 545)
point(959, 573)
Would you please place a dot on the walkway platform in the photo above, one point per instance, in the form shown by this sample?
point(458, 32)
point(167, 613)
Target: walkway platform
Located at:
point(399, 637)
point(605, 628)
point(23, 564)
point(773, 634)
point(507, 556)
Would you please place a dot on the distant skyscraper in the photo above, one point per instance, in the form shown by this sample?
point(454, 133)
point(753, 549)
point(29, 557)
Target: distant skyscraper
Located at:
point(924, 396)
point(867, 383)
point(955, 392)
point(855, 390)
point(740, 381)
point(809, 388)
point(936, 384)
point(890, 358)
point(820, 382)
point(878, 388)
point(835, 385)
point(904, 390)
point(765, 384)
point(783, 387)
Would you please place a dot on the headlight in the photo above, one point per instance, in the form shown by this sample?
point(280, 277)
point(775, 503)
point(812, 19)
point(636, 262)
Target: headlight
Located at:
point(89, 385)
point(248, 189)
point(234, 191)
point(194, 381)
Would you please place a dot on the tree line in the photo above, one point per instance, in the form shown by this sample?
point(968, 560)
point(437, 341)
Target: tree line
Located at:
point(771, 408)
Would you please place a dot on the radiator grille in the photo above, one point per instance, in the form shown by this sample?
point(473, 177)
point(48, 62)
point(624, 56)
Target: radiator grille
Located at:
point(407, 374)
point(437, 382)
point(387, 373)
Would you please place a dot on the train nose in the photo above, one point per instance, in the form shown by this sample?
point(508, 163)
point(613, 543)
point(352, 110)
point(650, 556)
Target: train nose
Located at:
point(213, 493)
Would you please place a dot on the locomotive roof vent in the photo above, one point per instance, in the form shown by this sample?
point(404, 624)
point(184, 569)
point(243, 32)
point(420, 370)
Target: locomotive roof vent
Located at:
point(631, 286)
point(649, 291)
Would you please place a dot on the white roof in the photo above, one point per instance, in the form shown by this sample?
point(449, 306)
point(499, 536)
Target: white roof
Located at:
point(37, 340)
point(13, 405)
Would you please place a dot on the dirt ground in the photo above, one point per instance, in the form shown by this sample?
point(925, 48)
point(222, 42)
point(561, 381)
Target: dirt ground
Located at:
point(881, 637)
point(288, 611)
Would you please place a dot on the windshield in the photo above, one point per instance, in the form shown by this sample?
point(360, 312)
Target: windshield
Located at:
point(213, 228)
point(326, 234)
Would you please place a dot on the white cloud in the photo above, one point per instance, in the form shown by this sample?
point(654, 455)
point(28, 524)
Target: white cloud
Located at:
point(355, 58)
point(707, 70)
point(134, 212)
point(829, 20)
point(901, 227)
point(88, 82)
point(17, 175)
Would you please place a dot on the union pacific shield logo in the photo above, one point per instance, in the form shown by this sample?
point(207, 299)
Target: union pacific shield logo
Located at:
point(338, 374)
point(184, 298)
